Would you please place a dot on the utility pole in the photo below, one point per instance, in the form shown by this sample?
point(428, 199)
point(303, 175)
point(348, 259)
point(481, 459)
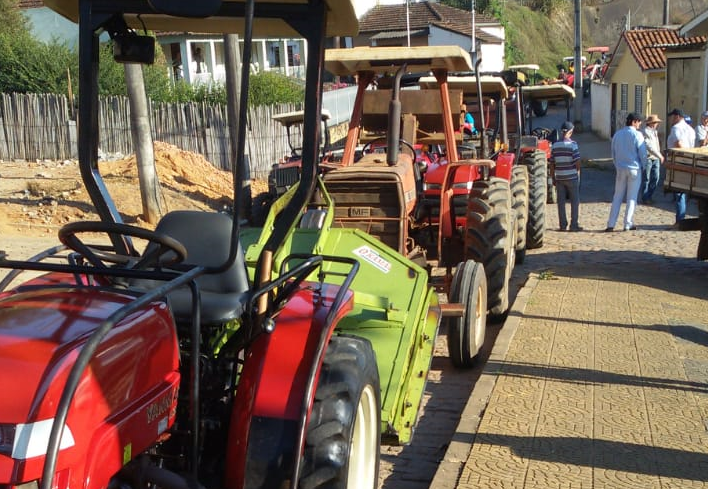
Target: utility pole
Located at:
point(232, 61)
point(408, 23)
point(473, 49)
point(578, 72)
point(666, 12)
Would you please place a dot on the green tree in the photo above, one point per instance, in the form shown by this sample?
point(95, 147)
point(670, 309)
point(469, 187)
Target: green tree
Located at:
point(13, 22)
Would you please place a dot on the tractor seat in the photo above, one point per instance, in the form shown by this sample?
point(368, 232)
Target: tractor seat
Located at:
point(206, 236)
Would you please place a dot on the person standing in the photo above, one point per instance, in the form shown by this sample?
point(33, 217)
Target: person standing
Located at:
point(629, 153)
point(681, 136)
point(650, 175)
point(565, 168)
point(702, 131)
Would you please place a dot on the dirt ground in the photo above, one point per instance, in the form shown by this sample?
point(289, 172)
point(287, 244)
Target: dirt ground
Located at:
point(37, 198)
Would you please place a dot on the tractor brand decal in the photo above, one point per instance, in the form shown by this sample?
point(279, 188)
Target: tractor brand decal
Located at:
point(159, 407)
point(373, 257)
point(359, 212)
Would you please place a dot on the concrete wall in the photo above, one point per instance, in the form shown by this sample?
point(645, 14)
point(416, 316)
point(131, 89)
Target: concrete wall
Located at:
point(600, 108)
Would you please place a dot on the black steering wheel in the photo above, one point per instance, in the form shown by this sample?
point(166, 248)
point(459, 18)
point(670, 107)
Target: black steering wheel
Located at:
point(401, 142)
point(156, 252)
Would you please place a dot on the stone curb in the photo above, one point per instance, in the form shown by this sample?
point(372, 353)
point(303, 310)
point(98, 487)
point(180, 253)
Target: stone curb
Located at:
point(450, 467)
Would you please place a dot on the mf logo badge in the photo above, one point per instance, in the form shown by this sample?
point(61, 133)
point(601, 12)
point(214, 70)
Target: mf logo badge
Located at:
point(359, 212)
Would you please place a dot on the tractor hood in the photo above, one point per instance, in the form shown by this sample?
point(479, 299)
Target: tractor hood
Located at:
point(41, 332)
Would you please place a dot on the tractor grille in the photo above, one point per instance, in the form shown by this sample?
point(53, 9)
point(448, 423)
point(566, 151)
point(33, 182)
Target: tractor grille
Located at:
point(285, 177)
point(372, 206)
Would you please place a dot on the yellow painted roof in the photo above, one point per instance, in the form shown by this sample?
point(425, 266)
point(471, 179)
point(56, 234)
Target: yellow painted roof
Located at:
point(341, 19)
point(388, 59)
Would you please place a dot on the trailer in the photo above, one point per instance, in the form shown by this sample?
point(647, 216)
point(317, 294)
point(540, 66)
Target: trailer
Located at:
point(687, 172)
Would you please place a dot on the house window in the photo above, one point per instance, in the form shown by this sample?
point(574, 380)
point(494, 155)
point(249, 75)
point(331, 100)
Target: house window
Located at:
point(639, 99)
point(624, 103)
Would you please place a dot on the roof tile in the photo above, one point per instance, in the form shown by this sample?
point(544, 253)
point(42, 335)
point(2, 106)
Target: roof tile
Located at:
point(648, 45)
point(421, 15)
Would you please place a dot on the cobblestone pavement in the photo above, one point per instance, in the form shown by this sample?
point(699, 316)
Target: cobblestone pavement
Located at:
point(599, 378)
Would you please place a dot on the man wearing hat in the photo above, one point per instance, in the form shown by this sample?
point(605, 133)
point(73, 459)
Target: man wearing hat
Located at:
point(650, 175)
point(681, 136)
point(565, 169)
point(629, 153)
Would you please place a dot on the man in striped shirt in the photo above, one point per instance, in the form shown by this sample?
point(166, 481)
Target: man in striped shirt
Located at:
point(565, 169)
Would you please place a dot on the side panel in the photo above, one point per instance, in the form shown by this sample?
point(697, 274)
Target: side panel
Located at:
point(503, 168)
point(271, 391)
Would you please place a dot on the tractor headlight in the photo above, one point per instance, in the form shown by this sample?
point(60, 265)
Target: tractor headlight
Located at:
point(7, 438)
point(465, 185)
point(23, 441)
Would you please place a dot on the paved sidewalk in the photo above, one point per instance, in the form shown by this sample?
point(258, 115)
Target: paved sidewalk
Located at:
point(599, 378)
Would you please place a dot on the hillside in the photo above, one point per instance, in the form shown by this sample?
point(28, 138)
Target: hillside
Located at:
point(538, 38)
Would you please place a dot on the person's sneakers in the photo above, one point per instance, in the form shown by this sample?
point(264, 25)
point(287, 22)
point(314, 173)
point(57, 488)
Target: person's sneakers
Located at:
point(609, 230)
point(630, 228)
point(576, 229)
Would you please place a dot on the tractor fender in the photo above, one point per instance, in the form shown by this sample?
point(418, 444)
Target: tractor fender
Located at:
point(503, 167)
point(270, 398)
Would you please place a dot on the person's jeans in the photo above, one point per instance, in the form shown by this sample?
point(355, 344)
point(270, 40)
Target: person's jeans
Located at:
point(627, 183)
point(650, 179)
point(568, 190)
point(680, 206)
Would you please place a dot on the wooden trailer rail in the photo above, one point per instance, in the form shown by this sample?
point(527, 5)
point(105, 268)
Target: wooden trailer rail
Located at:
point(687, 171)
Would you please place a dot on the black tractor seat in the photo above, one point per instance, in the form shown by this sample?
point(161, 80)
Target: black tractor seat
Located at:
point(207, 238)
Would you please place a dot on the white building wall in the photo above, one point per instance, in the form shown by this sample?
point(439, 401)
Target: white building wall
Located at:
point(492, 54)
point(600, 108)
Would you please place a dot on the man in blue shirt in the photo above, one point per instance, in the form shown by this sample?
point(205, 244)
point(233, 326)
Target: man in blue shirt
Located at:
point(565, 169)
point(629, 152)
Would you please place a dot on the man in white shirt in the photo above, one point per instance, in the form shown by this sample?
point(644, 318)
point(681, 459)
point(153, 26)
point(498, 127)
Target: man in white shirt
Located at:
point(681, 136)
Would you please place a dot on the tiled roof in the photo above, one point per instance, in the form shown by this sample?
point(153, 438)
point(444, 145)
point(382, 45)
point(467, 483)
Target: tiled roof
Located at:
point(25, 4)
point(421, 15)
point(647, 45)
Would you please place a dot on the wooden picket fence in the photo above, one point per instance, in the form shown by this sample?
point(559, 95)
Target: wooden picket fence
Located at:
point(39, 127)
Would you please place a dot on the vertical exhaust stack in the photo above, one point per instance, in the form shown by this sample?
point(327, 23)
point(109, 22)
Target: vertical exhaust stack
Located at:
point(394, 119)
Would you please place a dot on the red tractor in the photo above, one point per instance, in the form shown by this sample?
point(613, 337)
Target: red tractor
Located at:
point(203, 354)
point(457, 210)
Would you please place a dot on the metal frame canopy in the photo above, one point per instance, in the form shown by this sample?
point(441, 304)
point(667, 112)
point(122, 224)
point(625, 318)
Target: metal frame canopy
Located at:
point(554, 91)
point(343, 62)
point(295, 117)
point(468, 84)
point(341, 18)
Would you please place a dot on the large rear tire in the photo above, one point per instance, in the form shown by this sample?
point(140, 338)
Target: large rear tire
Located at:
point(465, 335)
point(343, 434)
point(488, 239)
point(520, 205)
point(535, 162)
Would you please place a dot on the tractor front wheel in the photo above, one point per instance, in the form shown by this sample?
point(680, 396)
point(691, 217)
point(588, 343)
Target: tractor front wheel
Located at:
point(488, 239)
point(520, 205)
point(465, 335)
point(342, 441)
point(535, 162)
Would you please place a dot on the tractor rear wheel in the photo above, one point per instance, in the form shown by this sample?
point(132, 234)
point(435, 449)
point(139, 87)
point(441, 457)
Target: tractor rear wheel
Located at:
point(465, 335)
point(535, 162)
point(343, 433)
point(520, 205)
point(488, 239)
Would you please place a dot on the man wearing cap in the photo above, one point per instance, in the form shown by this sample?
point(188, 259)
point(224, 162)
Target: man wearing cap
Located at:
point(629, 153)
point(650, 175)
point(565, 169)
point(702, 130)
point(681, 136)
